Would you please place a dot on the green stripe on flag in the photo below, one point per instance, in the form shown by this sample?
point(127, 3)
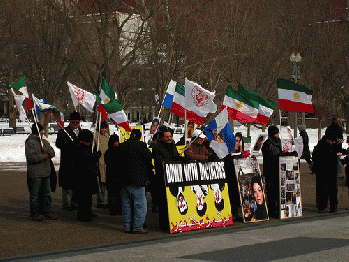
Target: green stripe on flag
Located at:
point(19, 84)
point(112, 106)
point(254, 96)
point(235, 95)
point(180, 89)
point(289, 85)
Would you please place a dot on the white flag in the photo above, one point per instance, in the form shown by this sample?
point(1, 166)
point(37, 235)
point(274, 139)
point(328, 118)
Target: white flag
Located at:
point(19, 103)
point(81, 96)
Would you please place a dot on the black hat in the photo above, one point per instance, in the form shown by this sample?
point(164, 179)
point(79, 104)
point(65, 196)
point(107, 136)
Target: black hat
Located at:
point(112, 139)
point(85, 135)
point(273, 130)
point(136, 132)
point(35, 130)
point(330, 135)
point(74, 116)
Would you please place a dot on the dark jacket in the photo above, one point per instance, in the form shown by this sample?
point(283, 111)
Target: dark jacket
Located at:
point(325, 159)
point(85, 172)
point(112, 161)
point(164, 152)
point(306, 151)
point(135, 159)
point(272, 150)
point(37, 165)
point(67, 147)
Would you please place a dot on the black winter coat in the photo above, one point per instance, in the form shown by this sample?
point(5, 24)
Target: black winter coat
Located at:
point(86, 171)
point(67, 147)
point(272, 150)
point(135, 159)
point(306, 152)
point(164, 152)
point(113, 175)
point(325, 159)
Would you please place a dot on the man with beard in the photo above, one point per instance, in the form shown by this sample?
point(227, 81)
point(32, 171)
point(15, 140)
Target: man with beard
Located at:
point(272, 150)
point(164, 150)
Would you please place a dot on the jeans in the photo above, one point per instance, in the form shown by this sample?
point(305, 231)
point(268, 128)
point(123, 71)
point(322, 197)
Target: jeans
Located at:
point(68, 198)
point(137, 196)
point(39, 196)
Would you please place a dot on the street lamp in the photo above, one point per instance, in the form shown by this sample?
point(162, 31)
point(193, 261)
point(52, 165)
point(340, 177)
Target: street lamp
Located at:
point(296, 75)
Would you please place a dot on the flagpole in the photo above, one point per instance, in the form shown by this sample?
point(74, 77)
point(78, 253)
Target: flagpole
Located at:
point(36, 121)
point(185, 126)
point(99, 132)
point(280, 119)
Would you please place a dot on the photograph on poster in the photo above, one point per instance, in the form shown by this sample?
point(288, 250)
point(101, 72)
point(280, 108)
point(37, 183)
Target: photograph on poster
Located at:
point(289, 175)
point(290, 185)
point(251, 190)
point(259, 142)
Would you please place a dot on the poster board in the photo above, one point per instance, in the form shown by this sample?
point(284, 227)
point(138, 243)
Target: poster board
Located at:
point(257, 146)
point(124, 135)
point(197, 196)
point(251, 189)
point(290, 188)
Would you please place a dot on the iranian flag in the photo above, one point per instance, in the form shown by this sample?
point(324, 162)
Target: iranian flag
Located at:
point(196, 100)
point(58, 116)
point(108, 99)
point(81, 96)
point(294, 97)
point(265, 107)
point(22, 87)
point(240, 107)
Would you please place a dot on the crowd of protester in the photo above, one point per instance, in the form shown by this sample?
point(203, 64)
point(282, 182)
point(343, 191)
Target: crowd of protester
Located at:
point(120, 173)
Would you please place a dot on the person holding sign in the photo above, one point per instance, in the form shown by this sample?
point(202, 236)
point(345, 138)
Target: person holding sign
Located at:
point(272, 150)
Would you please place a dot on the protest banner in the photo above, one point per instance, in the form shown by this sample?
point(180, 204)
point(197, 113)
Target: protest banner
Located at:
point(197, 196)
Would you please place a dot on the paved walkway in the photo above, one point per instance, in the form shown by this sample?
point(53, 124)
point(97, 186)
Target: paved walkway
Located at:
point(20, 236)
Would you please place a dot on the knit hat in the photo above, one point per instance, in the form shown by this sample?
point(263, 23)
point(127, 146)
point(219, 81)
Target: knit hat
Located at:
point(85, 135)
point(273, 130)
point(330, 135)
point(74, 116)
point(301, 128)
point(35, 130)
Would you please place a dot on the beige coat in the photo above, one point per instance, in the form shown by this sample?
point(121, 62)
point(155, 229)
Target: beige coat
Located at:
point(103, 146)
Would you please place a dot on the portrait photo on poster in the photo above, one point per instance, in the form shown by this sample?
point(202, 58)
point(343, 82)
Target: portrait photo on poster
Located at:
point(251, 190)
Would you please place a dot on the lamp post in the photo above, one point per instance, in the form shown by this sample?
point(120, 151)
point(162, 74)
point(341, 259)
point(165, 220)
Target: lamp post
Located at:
point(295, 59)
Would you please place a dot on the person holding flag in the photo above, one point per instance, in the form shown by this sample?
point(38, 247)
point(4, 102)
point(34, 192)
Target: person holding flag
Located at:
point(38, 152)
point(67, 140)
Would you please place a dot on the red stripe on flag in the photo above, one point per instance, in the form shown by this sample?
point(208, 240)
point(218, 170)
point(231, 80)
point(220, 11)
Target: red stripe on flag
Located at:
point(237, 115)
point(191, 116)
point(289, 105)
point(262, 119)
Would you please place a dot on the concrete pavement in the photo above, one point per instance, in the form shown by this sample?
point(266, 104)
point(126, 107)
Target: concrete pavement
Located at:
point(104, 240)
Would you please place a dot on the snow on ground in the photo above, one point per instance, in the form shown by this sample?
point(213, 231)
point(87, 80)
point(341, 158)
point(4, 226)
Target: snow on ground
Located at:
point(12, 146)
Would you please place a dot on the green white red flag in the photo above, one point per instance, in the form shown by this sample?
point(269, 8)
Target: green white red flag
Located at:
point(265, 107)
point(108, 99)
point(294, 97)
point(22, 88)
point(239, 107)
